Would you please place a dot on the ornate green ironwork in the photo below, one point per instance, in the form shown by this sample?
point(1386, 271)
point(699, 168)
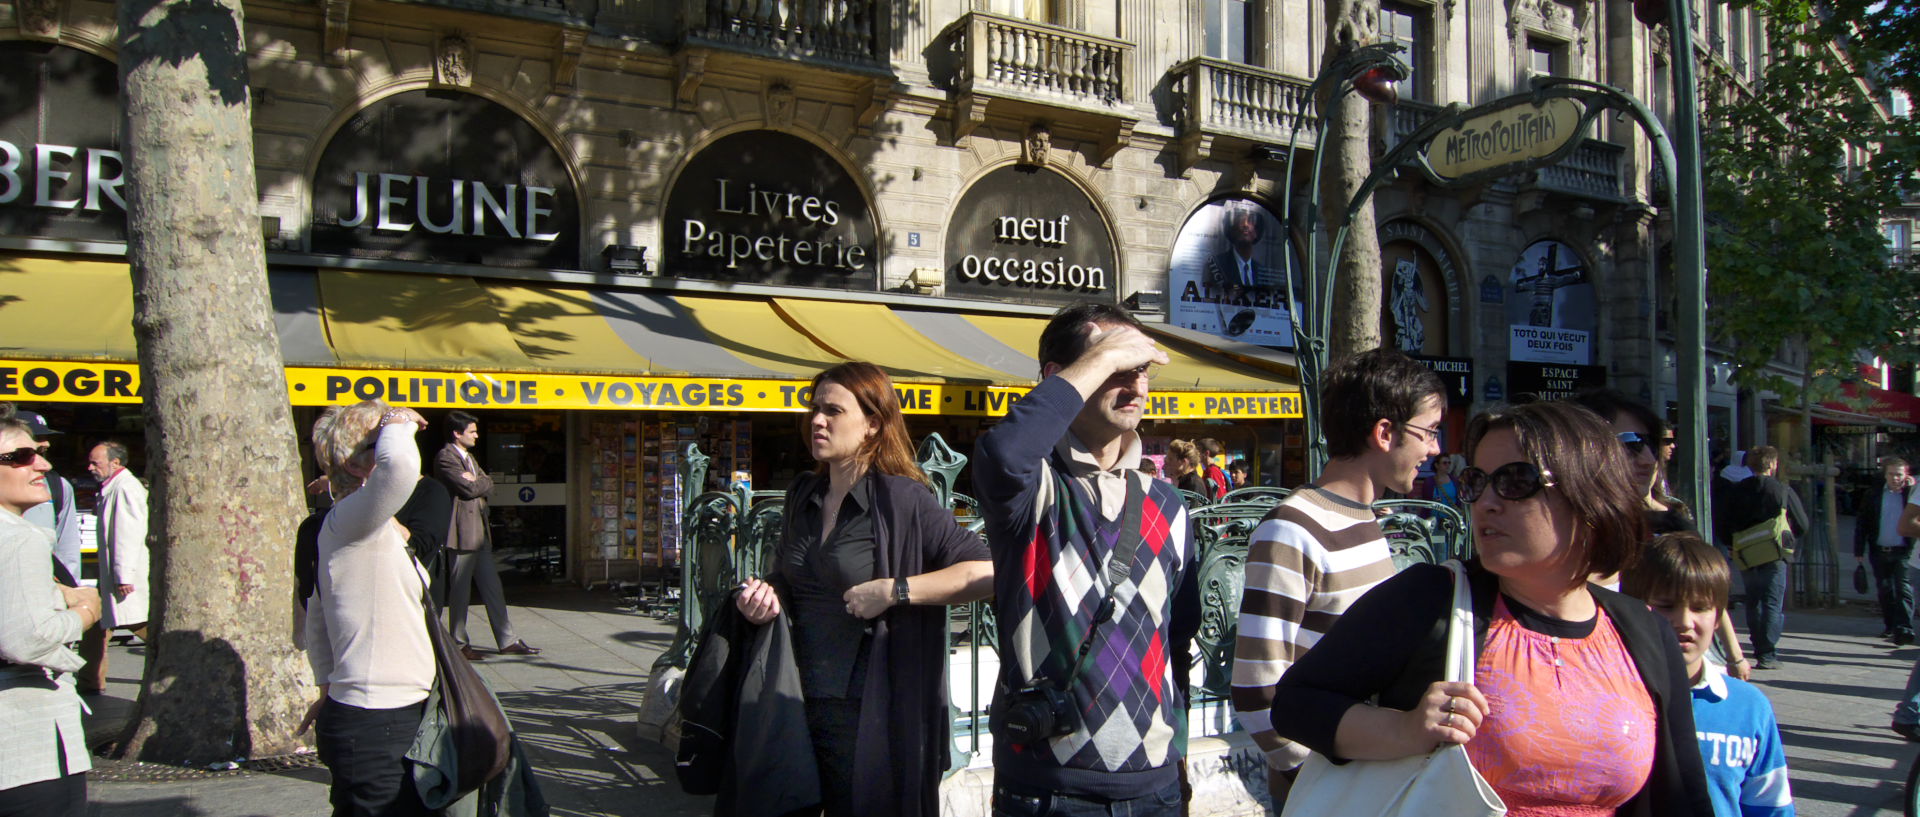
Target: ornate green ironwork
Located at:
point(1421, 531)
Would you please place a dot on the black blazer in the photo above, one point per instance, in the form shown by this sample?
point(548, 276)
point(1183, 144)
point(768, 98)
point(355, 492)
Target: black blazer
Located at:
point(1866, 531)
point(741, 713)
point(1393, 643)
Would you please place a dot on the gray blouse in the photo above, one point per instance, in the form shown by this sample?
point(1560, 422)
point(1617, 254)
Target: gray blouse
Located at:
point(38, 705)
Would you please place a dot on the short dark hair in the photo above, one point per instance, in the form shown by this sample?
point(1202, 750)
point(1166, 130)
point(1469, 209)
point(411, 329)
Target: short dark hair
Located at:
point(1589, 469)
point(1213, 447)
point(1610, 404)
point(1679, 567)
point(1065, 338)
point(116, 450)
point(1366, 388)
point(457, 421)
point(1891, 462)
point(1763, 457)
point(1239, 465)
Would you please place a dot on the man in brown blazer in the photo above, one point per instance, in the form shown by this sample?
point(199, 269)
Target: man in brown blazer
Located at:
point(469, 541)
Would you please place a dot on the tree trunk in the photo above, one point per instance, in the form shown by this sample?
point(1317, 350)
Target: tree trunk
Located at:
point(1356, 295)
point(223, 678)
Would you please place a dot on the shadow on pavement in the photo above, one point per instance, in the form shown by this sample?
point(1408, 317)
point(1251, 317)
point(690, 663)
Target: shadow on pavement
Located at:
point(589, 758)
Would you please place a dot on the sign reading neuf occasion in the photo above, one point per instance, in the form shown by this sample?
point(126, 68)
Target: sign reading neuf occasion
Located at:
point(767, 207)
point(446, 177)
point(71, 382)
point(1028, 234)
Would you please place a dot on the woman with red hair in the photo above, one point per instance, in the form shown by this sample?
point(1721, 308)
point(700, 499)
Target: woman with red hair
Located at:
point(866, 567)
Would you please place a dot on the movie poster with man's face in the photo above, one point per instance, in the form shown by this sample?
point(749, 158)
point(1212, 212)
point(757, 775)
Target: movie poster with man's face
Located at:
point(1229, 272)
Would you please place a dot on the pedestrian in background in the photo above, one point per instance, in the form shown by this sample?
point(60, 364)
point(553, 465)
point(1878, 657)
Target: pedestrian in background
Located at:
point(43, 757)
point(1758, 500)
point(366, 627)
point(1446, 487)
point(867, 565)
point(1183, 464)
point(1578, 703)
point(470, 539)
point(1877, 541)
point(124, 562)
point(1211, 452)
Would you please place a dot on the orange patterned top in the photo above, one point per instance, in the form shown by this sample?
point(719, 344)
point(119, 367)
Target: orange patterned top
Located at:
point(1572, 728)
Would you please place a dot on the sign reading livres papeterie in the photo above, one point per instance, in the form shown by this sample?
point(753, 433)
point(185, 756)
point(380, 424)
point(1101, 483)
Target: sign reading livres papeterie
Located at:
point(771, 208)
point(1519, 133)
point(1028, 234)
point(62, 174)
point(445, 177)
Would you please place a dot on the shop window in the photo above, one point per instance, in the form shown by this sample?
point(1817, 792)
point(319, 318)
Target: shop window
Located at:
point(1409, 26)
point(1229, 25)
point(1546, 57)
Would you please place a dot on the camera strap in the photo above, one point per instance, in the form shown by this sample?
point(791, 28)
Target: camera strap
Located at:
point(1122, 537)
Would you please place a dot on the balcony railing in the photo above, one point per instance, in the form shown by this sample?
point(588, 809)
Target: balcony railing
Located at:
point(1407, 116)
point(1004, 56)
point(837, 30)
point(1241, 100)
point(1592, 169)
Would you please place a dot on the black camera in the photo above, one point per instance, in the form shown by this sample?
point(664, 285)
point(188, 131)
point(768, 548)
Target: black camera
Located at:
point(1037, 712)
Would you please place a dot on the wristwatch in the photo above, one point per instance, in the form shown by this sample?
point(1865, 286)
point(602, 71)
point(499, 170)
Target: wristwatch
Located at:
point(900, 593)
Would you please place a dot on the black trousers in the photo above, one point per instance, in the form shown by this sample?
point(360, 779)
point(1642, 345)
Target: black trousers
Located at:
point(59, 797)
point(471, 567)
point(366, 749)
point(1896, 593)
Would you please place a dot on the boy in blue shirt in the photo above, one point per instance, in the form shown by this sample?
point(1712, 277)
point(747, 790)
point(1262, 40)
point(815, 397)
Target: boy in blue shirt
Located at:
point(1685, 580)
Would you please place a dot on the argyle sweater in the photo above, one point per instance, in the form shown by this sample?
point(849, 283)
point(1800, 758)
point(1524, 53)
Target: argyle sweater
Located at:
point(1049, 552)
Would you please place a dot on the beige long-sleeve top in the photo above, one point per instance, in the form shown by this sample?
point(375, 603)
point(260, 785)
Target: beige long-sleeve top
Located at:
point(366, 630)
point(39, 710)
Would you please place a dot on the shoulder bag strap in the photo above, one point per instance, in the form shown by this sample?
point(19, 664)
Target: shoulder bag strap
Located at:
point(1460, 630)
point(1119, 563)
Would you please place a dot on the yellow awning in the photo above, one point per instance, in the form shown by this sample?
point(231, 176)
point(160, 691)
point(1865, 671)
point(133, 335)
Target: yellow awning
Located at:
point(1183, 372)
point(428, 321)
point(561, 329)
point(874, 333)
point(62, 309)
point(751, 330)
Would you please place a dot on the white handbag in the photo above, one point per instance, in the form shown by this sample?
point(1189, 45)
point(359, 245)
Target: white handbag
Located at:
point(1442, 781)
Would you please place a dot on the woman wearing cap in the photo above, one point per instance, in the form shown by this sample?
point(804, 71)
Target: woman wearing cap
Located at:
point(1579, 702)
point(43, 759)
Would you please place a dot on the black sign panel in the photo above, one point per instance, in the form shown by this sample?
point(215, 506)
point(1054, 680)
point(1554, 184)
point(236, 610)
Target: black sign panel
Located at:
point(61, 172)
point(768, 207)
point(445, 176)
point(1456, 372)
point(1553, 381)
point(1028, 234)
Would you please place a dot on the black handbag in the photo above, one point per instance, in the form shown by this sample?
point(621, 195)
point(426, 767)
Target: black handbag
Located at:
point(481, 736)
point(1859, 578)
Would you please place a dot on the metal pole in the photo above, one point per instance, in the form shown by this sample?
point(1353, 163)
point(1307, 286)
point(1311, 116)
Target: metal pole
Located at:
point(1690, 274)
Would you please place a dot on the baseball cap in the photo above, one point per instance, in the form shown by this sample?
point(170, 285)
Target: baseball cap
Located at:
point(36, 423)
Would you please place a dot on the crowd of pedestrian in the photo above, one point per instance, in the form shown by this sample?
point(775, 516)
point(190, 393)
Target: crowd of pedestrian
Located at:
point(1601, 674)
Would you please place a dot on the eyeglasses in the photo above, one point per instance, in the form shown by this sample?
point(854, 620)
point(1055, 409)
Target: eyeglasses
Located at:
point(20, 457)
point(1633, 442)
point(1513, 482)
point(1425, 434)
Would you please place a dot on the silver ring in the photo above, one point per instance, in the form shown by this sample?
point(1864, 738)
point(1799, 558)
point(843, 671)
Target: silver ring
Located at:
point(1450, 704)
point(1449, 721)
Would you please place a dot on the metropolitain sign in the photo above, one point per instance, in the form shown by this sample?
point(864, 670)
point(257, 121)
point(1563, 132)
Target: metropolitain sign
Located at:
point(91, 382)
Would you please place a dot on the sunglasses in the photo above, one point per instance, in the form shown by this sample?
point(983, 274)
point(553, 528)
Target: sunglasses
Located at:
point(20, 457)
point(1513, 482)
point(1633, 442)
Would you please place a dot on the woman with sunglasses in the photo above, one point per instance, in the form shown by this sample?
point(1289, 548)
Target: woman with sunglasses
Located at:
point(1640, 432)
point(1580, 703)
point(868, 562)
point(43, 760)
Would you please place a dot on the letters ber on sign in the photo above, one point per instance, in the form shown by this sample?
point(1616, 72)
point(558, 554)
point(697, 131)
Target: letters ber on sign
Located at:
point(1511, 135)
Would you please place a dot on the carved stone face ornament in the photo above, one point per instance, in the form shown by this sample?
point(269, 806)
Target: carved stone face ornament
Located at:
point(38, 18)
point(453, 65)
point(779, 106)
point(1034, 148)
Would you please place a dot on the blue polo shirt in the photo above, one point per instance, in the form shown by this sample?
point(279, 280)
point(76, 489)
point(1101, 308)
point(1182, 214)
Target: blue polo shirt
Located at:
point(1740, 746)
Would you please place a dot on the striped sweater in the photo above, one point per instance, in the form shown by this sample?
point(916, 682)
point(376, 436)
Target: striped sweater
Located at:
point(1310, 559)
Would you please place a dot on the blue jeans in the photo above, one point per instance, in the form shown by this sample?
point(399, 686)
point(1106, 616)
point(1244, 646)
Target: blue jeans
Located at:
point(1908, 710)
point(1766, 606)
point(1013, 800)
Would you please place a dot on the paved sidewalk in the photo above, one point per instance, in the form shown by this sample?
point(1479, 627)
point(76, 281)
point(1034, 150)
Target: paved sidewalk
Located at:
point(575, 704)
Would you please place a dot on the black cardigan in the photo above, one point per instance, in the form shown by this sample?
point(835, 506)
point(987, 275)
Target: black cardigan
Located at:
point(904, 744)
point(1392, 643)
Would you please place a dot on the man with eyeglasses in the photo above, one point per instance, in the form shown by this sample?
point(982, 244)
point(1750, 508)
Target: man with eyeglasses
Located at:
point(1322, 549)
point(60, 515)
point(1095, 579)
point(122, 510)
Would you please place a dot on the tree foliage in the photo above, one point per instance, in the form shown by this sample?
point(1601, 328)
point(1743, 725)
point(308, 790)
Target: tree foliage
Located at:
point(1800, 171)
